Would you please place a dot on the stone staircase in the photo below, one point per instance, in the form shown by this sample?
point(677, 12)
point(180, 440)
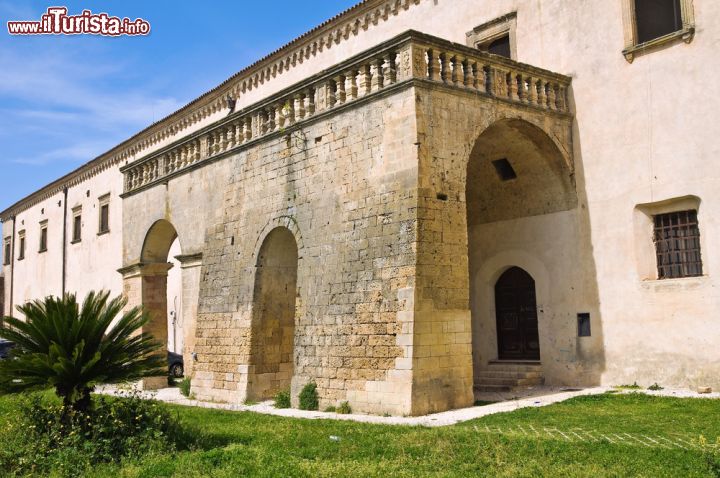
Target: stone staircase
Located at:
point(507, 376)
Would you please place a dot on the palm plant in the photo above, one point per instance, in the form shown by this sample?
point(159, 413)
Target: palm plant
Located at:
point(72, 349)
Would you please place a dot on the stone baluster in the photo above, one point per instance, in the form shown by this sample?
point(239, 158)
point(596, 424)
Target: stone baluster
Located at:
point(331, 88)
point(512, 86)
point(310, 102)
point(456, 75)
point(237, 125)
point(467, 73)
point(542, 96)
point(275, 117)
point(229, 137)
point(444, 67)
point(376, 83)
point(533, 90)
point(299, 110)
point(552, 100)
point(204, 146)
point(288, 112)
point(433, 71)
point(365, 80)
point(351, 90)
point(389, 69)
point(247, 129)
point(340, 94)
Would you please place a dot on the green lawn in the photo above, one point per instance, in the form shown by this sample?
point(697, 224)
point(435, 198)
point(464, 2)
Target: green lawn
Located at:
point(565, 439)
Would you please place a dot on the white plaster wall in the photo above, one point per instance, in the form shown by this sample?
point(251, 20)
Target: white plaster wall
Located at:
point(176, 338)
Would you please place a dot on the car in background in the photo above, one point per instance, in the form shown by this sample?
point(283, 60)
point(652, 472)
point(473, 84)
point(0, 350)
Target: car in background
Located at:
point(5, 347)
point(176, 364)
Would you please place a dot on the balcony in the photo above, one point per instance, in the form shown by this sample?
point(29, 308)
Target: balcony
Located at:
point(397, 63)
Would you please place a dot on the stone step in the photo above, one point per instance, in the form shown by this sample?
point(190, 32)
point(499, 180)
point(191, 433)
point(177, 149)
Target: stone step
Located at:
point(492, 388)
point(509, 374)
point(515, 366)
point(511, 382)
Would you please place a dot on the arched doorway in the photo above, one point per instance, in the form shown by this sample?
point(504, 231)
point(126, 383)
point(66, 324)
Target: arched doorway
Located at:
point(160, 287)
point(273, 329)
point(516, 316)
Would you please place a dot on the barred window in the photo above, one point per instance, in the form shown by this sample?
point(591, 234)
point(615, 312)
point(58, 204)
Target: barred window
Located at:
point(677, 245)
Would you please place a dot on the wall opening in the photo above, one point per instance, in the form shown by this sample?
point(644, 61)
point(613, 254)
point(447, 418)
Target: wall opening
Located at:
point(516, 316)
point(273, 330)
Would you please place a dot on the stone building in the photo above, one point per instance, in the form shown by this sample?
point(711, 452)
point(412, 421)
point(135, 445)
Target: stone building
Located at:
point(416, 199)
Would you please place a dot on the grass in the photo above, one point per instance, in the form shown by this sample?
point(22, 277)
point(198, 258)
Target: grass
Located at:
point(248, 444)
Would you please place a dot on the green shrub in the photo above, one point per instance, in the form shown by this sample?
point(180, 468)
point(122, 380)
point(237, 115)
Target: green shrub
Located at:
point(47, 438)
point(282, 399)
point(185, 386)
point(655, 387)
point(71, 347)
point(309, 397)
point(344, 408)
point(330, 409)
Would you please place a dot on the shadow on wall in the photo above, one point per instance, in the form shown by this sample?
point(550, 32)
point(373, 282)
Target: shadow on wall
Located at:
point(526, 211)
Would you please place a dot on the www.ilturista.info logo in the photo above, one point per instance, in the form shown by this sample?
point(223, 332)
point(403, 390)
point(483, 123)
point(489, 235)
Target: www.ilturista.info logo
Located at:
point(57, 22)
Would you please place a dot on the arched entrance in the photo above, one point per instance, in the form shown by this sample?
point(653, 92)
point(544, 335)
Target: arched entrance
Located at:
point(155, 271)
point(521, 208)
point(516, 316)
point(273, 328)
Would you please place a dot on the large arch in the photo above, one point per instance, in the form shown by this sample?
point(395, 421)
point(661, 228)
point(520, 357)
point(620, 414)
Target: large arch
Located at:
point(520, 204)
point(272, 353)
point(153, 272)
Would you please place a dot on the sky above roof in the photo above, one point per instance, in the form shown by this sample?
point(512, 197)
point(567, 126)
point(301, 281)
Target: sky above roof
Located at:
point(66, 99)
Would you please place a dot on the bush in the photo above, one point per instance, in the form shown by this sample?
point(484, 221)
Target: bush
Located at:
point(344, 408)
point(330, 409)
point(309, 397)
point(49, 438)
point(282, 399)
point(655, 387)
point(185, 387)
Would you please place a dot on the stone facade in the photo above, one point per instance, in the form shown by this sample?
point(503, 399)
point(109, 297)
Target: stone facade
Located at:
point(346, 217)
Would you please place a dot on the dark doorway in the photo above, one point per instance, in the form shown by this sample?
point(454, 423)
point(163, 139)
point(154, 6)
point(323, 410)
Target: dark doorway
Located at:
point(516, 314)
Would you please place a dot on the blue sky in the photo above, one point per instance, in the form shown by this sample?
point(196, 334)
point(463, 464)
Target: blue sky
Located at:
point(66, 99)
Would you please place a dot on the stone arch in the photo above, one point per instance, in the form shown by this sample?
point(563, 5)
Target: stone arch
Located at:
point(520, 199)
point(272, 342)
point(158, 241)
point(152, 272)
point(287, 222)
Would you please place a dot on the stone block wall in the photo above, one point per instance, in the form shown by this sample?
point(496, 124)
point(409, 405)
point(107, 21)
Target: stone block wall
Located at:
point(345, 187)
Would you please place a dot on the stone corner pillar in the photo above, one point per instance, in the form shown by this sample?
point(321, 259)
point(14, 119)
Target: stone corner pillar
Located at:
point(146, 285)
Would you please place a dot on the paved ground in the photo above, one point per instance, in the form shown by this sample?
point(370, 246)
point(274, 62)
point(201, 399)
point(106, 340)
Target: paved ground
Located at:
point(505, 402)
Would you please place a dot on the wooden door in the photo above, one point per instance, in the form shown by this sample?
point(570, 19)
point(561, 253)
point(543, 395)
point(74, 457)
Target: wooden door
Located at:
point(516, 314)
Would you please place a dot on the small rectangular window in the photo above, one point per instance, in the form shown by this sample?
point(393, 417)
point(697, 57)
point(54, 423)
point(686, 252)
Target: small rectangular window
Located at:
point(6, 252)
point(500, 46)
point(677, 244)
point(77, 228)
point(104, 220)
point(657, 18)
point(21, 251)
point(43, 237)
point(583, 319)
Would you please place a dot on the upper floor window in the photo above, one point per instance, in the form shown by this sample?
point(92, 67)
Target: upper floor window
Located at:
point(496, 36)
point(677, 244)
point(77, 225)
point(652, 23)
point(104, 220)
point(6, 251)
point(656, 18)
point(43, 237)
point(21, 250)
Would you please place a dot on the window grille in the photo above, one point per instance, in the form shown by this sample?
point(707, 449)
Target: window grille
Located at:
point(677, 245)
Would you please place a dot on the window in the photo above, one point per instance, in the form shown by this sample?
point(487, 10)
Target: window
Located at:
point(504, 169)
point(583, 319)
point(656, 18)
point(6, 251)
point(104, 223)
point(653, 23)
point(496, 36)
point(43, 237)
point(677, 244)
point(77, 225)
point(21, 252)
